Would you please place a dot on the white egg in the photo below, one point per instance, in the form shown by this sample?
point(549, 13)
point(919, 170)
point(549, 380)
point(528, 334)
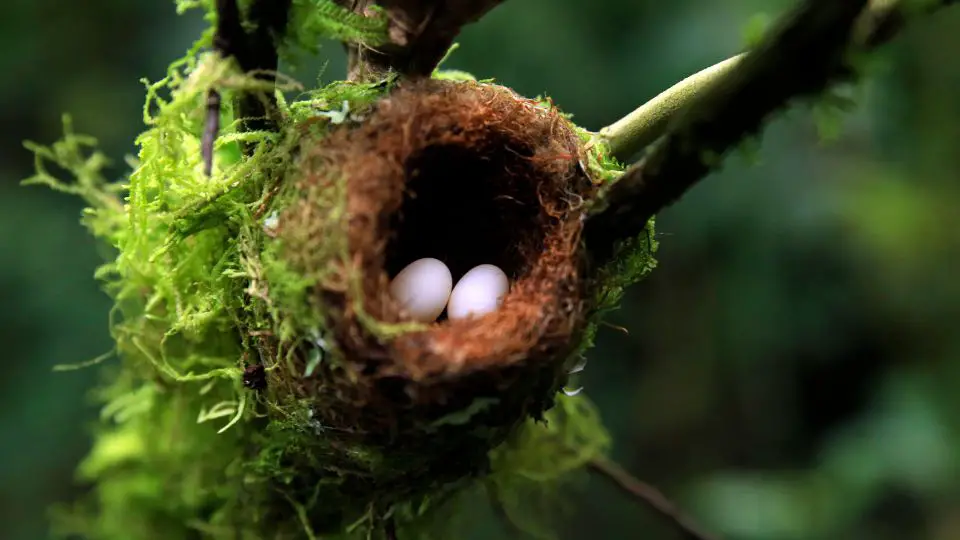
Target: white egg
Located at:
point(479, 291)
point(422, 289)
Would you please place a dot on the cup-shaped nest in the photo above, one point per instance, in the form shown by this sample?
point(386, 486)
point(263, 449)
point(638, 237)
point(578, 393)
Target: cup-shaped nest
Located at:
point(467, 173)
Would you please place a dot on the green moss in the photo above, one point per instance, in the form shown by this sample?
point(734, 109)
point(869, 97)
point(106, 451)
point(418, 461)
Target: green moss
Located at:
point(633, 259)
point(183, 450)
point(314, 21)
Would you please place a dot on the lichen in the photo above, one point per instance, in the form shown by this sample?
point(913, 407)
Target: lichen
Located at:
point(183, 449)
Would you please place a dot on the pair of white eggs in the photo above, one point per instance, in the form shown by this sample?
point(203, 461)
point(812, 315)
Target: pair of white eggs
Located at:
point(425, 287)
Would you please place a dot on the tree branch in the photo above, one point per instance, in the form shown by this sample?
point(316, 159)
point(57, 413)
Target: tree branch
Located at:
point(627, 136)
point(421, 32)
point(255, 52)
point(650, 496)
point(711, 112)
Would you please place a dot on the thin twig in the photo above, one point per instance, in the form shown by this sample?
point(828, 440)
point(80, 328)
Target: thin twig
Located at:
point(711, 112)
point(650, 496)
point(210, 130)
point(390, 528)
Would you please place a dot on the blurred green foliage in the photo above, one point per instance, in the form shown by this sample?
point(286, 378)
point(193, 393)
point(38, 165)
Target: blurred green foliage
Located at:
point(791, 367)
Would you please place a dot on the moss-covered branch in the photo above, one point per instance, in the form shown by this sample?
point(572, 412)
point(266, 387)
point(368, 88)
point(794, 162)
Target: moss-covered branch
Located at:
point(711, 112)
point(421, 32)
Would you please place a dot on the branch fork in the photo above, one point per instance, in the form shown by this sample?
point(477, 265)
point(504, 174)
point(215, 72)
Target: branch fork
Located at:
point(688, 128)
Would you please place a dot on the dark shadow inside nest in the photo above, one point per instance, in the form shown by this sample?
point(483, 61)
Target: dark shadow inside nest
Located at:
point(468, 208)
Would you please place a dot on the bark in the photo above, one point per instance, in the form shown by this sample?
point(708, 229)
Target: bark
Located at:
point(421, 32)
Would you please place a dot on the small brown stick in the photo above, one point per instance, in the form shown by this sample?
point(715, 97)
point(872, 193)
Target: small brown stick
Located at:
point(650, 496)
point(210, 130)
point(390, 528)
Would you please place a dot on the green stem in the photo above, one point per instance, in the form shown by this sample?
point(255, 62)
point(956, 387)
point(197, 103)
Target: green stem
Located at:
point(627, 136)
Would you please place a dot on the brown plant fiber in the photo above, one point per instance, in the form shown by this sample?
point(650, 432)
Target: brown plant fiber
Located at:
point(468, 173)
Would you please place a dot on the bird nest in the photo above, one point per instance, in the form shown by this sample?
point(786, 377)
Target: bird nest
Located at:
point(470, 174)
